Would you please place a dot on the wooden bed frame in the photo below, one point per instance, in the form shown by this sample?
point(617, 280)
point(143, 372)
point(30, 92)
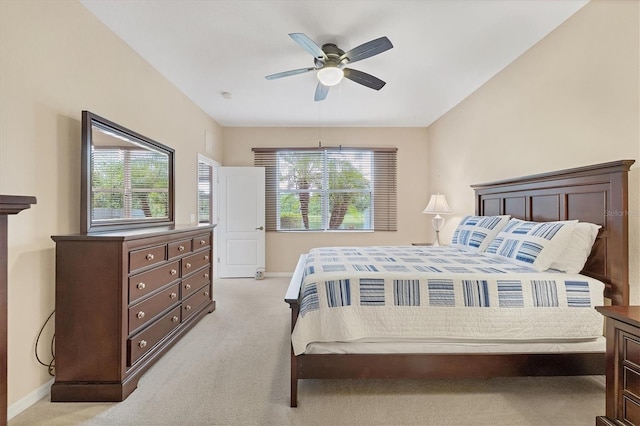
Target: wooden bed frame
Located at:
point(596, 194)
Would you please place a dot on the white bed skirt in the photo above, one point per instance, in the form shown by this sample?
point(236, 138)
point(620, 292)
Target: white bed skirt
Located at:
point(388, 347)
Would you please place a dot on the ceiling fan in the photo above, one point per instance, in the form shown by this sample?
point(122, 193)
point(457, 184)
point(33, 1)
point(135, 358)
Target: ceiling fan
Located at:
point(331, 61)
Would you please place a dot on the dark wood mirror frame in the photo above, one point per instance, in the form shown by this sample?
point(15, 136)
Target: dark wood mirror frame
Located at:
point(88, 223)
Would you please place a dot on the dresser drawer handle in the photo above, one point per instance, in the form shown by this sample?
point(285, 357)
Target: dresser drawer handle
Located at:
point(149, 256)
point(188, 265)
point(174, 318)
point(187, 308)
point(206, 293)
point(206, 257)
point(173, 272)
point(140, 314)
point(206, 275)
point(173, 295)
point(187, 286)
point(141, 286)
point(202, 242)
point(143, 343)
point(181, 248)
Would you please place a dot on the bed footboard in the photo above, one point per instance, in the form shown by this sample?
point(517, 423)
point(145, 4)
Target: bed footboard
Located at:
point(292, 298)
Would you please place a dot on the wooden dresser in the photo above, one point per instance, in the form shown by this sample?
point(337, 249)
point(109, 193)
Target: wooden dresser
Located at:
point(122, 300)
point(623, 365)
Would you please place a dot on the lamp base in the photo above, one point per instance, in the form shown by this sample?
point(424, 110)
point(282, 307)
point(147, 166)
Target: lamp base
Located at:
point(437, 222)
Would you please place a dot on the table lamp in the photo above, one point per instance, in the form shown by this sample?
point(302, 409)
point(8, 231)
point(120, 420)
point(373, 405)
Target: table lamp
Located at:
point(437, 205)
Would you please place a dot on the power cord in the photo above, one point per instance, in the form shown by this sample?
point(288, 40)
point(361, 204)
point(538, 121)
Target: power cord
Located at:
point(50, 366)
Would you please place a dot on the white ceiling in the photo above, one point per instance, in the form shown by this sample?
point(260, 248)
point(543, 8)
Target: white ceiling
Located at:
point(443, 51)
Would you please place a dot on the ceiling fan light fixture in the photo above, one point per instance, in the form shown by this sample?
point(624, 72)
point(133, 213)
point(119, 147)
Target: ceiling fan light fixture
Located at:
point(330, 76)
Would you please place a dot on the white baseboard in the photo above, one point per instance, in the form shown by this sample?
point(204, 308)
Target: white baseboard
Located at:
point(266, 274)
point(278, 274)
point(28, 400)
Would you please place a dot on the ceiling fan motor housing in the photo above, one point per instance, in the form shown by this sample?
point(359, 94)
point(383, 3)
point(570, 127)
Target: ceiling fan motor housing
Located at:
point(333, 53)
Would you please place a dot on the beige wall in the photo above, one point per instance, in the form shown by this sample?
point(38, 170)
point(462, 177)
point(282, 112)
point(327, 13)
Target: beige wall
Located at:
point(57, 59)
point(283, 249)
point(571, 100)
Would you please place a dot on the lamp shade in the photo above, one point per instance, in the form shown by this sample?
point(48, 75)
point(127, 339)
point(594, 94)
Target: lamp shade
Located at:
point(330, 76)
point(437, 204)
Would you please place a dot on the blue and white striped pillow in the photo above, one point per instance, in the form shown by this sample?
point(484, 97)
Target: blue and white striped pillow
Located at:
point(535, 244)
point(475, 233)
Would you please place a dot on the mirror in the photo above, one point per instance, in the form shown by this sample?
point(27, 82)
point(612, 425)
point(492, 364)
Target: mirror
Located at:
point(127, 179)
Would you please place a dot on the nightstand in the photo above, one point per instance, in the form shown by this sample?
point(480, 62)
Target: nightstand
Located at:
point(622, 329)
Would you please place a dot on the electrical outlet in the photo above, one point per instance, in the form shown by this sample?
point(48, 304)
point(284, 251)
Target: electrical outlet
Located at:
point(193, 217)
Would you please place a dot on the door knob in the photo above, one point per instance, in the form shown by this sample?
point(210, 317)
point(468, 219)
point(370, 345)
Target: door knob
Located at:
point(260, 228)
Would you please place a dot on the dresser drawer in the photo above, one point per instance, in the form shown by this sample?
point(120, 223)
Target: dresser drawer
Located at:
point(194, 262)
point(149, 256)
point(143, 312)
point(178, 248)
point(631, 381)
point(139, 344)
point(630, 411)
point(631, 346)
point(191, 305)
point(142, 284)
point(195, 281)
point(201, 241)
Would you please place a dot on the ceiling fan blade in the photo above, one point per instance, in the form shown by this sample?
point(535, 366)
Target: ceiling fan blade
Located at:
point(288, 73)
point(308, 45)
point(367, 49)
point(364, 78)
point(321, 92)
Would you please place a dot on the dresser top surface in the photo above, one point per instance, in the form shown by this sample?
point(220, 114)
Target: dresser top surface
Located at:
point(134, 234)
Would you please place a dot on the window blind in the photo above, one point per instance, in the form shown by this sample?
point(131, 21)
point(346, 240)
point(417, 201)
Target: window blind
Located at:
point(205, 182)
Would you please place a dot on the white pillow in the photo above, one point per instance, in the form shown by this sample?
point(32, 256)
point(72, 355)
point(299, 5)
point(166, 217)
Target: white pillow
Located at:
point(577, 252)
point(475, 233)
point(535, 244)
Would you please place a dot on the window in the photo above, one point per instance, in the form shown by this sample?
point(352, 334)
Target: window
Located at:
point(205, 189)
point(322, 189)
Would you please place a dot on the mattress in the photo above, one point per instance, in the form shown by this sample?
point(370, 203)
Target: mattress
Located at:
point(443, 294)
point(451, 346)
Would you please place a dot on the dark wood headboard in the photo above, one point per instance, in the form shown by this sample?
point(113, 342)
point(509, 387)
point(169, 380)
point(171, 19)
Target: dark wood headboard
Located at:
point(596, 194)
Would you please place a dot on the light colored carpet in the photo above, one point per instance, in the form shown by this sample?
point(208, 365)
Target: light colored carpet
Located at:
point(232, 368)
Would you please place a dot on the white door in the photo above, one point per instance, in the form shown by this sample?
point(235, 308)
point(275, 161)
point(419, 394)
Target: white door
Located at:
point(240, 230)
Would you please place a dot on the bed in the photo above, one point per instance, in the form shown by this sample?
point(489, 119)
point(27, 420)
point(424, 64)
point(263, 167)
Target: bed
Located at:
point(595, 194)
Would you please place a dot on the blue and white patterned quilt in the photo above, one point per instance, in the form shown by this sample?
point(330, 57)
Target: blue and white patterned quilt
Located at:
point(440, 293)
